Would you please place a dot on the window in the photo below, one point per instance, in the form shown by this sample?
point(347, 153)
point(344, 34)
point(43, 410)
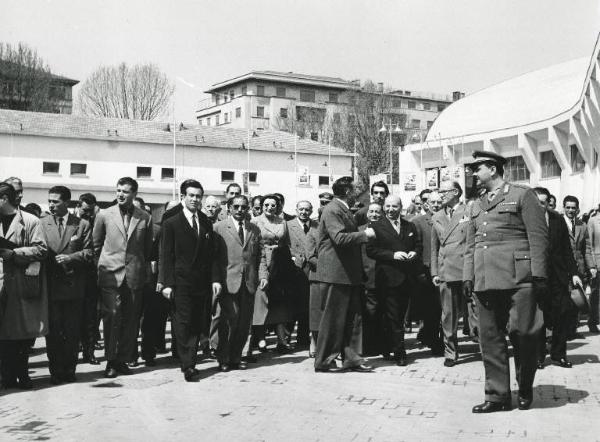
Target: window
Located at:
point(412, 104)
point(550, 167)
point(78, 169)
point(333, 97)
point(283, 112)
point(337, 119)
point(244, 90)
point(217, 118)
point(50, 167)
point(217, 99)
point(577, 161)
point(280, 91)
point(208, 121)
point(429, 124)
point(226, 117)
point(166, 173)
point(307, 95)
point(416, 124)
point(314, 136)
point(227, 175)
point(253, 176)
point(260, 90)
point(238, 112)
point(426, 106)
point(260, 111)
point(200, 121)
point(515, 169)
point(441, 107)
point(144, 172)
point(231, 94)
point(397, 102)
point(323, 180)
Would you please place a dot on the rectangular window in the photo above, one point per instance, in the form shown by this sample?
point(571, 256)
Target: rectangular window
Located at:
point(333, 97)
point(307, 95)
point(314, 136)
point(217, 99)
point(78, 169)
point(441, 107)
point(144, 172)
point(280, 91)
point(166, 173)
point(244, 90)
point(226, 117)
point(412, 104)
point(416, 124)
point(260, 111)
point(227, 175)
point(208, 121)
point(231, 94)
point(238, 112)
point(550, 167)
point(397, 102)
point(426, 106)
point(253, 176)
point(577, 161)
point(50, 167)
point(200, 122)
point(515, 169)
point(283, 112)
point(323, 180)
point(429, 124)
point(217, 120)
point(260, 90)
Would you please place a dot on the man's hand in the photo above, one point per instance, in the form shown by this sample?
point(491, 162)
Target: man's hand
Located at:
point(593, 272)
point(436, 281)
point(63, 259)
point(216, 289)
point(263, 284)
point(467, 289)
point(400, 256)
point(167, 292)
point(159, 287)
point(577, 281)
point(411, 255)
point(370, 233)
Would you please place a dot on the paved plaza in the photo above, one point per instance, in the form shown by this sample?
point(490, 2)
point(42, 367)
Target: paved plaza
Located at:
point(282, 399)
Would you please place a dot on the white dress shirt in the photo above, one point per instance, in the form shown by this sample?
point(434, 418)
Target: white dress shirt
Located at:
point(236, 224)
point(189, 215)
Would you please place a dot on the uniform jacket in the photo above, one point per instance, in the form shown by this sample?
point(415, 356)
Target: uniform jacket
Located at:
point(507, 240)
point(188, 257)
point(424, 223)
point(237, 261)
point(339, 254)
point(68, 281)
point(561, 262)
point(390, 272)
point(24, 295)
point(300, 243)
point(448, 239)
point(122, 255)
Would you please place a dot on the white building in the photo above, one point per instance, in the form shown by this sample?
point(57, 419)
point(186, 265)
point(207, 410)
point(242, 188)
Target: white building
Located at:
point(546, 122)
point(91, 154)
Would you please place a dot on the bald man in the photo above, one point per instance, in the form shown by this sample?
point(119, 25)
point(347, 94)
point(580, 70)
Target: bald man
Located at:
point(212, 208)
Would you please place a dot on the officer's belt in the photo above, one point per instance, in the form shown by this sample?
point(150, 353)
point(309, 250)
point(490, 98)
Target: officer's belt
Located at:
point(494, 236)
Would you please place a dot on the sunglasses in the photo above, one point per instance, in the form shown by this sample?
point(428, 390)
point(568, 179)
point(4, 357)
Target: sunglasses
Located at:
point(239, 207)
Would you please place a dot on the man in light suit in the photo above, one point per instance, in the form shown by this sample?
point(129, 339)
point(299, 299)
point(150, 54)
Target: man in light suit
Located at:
point(69, 241)
point(448, 238)
point(299, 229)
point(241, 264)
point(122, 239)
point(339, 271)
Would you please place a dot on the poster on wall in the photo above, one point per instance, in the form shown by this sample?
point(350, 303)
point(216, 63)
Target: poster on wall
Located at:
point(445, 174)
point(409, 180)
point(303, 176)
point(431, 177)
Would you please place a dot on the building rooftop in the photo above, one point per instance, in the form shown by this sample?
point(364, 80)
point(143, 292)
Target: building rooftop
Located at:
point(114, 129)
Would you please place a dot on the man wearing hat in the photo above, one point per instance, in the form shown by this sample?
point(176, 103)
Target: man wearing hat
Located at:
point(324, 199)
point(505, 266)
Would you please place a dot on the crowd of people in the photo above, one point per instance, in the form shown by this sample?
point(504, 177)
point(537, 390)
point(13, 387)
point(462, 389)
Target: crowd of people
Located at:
point(343, 283)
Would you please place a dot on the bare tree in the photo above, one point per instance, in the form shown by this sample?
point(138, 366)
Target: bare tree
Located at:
point(25, 79)
point(141, 92)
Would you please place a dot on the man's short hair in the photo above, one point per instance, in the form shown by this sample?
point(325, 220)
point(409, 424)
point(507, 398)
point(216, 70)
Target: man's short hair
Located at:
point(259, 198)
point(88, 198)
point(570, 199)
point(380, 184)
point(232, 199)
point(552, 197)
point(423, 192)
point(542, 191)
point(7, 189)
point(341, 186)
point(373, 203)
point(190, 183)
point(34, 209)
point(304, 201)
point(230, 185)
point(64, 192)
point(126, 180)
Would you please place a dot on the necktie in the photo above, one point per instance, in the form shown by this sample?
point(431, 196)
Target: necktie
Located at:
point(306, 228)
point(450, 213)
point(573, 226)
point(241, 231)
point(397, 226)
point(126, 221)
point(194, 224)
point(60, 227)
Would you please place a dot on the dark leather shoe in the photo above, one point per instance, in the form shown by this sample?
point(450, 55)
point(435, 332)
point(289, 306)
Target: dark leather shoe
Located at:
point(401, 361)
point(362, 368)
point(331, 368)
point(524, 401)
point(133, 364)
point(91, 359)
point(491, 407)
point(150, 363)
point(594, 329)
point(449, 363)
point(123, 368)
point(250, 359)
point(110, 372)
point(562, 362)
point(25, 383)
point(191, 375)
point(224, 368)
point(55, 379)
point(239, 366)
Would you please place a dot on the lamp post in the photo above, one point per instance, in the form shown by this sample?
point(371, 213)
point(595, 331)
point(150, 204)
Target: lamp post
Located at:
point(389, 130)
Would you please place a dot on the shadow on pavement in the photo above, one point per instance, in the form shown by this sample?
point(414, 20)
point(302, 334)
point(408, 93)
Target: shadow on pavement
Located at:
point(583, 359)
point(553, 396)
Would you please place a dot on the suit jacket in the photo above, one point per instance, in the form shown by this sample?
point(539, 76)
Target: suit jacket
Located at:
point(339, 251)
point(237, 261)
point(368, 263)
point(424, 223)
point(580, 243)
point(390, 272)
point(507, 240)
point(593, 228)
point(300, 244)
point(561, 262)
point(188, 257)
point(122, 256)
point(448, 239)
point(24, 296)
point(67, 281)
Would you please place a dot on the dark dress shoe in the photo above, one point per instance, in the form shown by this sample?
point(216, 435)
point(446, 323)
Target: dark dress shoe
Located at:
point(250, 359)
point(449, 363)
point(9, 383)
point(55, 379)
point(490, 407)
point(25, 383)
point(562, 362)
point(224, 368)
point(332, 367)
point(283, 348)
point(362, 368)
point(437, 349)
point(150, 363)
point(401, 361)
point(524, 401)
point(91, 359)
point(123, 368)
point(133, 364)
point(239, 366)
point(191, 375)
point(110, 372)
point(594, 328)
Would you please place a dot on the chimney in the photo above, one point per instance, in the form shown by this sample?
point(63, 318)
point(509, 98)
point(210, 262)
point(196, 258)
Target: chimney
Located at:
point(457, 95)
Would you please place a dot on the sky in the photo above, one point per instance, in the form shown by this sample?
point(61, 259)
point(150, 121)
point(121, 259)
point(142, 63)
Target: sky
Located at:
point(422, 45)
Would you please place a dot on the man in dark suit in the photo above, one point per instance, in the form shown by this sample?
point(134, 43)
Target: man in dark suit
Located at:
point(122, 238)
point(562, 273)
point(299, 229)
point(506, 266)
point(69, 241)
point(339, 270)
point(241, 264)
point(394, 250)
point(190, 273)
point(379, 192)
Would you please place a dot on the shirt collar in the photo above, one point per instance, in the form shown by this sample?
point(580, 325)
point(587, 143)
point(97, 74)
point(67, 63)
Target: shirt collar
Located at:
point(188, 213)
point(236, 223)
point(344, 203)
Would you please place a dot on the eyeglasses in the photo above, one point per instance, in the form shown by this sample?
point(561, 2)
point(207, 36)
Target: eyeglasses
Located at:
point(239, 207)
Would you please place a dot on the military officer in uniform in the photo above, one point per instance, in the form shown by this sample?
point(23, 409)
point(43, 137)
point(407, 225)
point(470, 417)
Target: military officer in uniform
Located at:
point(505, 266)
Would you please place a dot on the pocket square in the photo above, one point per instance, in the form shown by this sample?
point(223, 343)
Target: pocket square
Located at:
point(74, 238)
point(410, 234)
